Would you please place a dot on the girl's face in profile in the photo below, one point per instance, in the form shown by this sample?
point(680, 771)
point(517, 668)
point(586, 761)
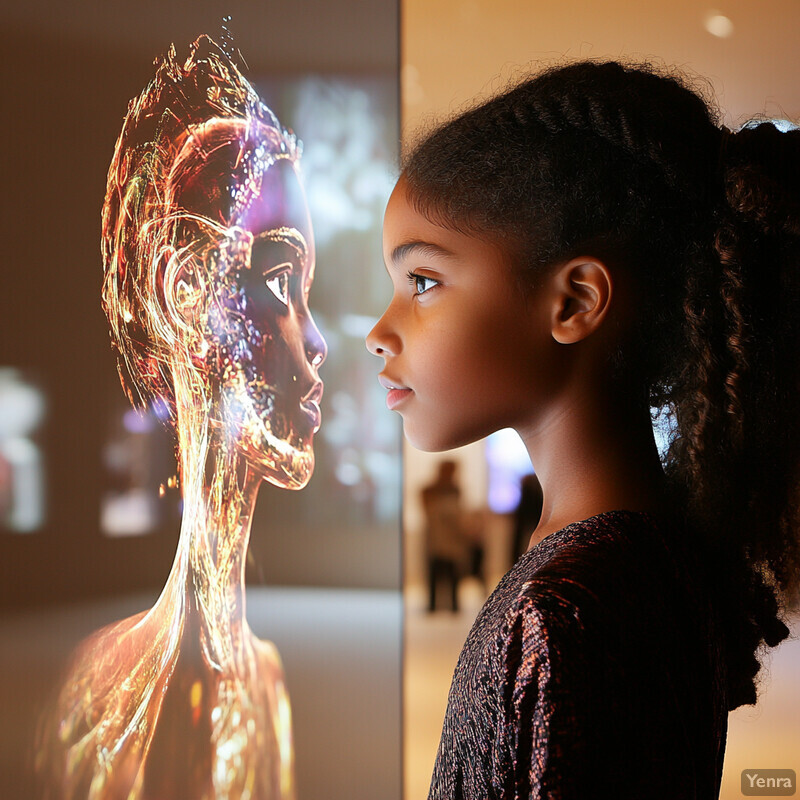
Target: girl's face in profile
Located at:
point(465, 352)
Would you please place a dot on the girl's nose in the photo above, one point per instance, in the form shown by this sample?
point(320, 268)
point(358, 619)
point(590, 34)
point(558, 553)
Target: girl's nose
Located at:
point(382, 341)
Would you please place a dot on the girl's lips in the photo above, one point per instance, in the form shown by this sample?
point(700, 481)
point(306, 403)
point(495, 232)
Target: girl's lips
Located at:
point(395, 397)
point(397, 392)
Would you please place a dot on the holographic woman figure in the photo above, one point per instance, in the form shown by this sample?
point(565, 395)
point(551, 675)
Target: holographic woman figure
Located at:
point(209, 258)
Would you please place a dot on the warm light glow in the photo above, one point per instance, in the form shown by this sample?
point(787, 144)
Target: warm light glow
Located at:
point(717, 24)
point(209, 258)
point(413, 93)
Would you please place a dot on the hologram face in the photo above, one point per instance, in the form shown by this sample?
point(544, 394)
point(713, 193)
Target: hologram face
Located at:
point(242, 292)
point(278, 367)
point(210, 258)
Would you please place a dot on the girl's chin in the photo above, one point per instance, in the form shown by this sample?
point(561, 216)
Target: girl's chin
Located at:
point(426, 442)
point(431, 438)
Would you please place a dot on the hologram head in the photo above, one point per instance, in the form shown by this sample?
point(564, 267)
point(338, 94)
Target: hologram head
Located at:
point(209, 256)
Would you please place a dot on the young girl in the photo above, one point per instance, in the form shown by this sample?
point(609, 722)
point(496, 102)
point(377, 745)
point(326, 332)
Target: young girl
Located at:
point(566, 256)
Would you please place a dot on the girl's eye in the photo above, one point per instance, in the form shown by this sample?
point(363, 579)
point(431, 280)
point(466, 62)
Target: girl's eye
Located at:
point(421, 283)
point(279, 284)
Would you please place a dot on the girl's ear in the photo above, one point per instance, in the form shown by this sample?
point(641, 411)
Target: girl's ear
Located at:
point(583, 290)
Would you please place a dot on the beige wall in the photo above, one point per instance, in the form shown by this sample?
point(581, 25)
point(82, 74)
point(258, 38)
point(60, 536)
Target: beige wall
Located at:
point(453, 50)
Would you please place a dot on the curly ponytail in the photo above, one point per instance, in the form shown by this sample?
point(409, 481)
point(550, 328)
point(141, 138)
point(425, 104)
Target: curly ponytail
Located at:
point(737, 452)
point(633, 166)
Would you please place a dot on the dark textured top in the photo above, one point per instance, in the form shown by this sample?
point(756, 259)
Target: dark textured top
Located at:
point(592, 671)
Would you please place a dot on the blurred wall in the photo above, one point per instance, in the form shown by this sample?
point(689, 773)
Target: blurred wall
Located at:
point(454, 50)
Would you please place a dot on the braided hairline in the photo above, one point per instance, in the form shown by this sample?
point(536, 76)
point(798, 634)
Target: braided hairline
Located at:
point(611, 114)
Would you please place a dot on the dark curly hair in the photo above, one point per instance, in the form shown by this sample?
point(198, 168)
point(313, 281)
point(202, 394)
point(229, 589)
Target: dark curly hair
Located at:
point(632, 166)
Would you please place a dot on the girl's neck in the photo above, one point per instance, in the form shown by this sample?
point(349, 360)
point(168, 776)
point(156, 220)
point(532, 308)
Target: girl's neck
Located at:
point(593, 452)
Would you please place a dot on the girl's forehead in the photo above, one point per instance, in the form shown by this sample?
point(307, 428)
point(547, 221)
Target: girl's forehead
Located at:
point(406, 231)
point(403, 220)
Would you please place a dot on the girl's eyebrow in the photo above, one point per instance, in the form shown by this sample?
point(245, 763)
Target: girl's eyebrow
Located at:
point(402, 251)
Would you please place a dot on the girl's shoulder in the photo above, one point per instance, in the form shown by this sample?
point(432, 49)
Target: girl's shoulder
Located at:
point(617, 570)
point(603, 547)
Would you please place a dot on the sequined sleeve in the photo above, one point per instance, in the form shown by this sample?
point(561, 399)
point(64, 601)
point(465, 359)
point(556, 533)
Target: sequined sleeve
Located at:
point(543, 716)
point(590, 672)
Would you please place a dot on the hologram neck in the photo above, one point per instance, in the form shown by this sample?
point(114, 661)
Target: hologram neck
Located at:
point(219, 492)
